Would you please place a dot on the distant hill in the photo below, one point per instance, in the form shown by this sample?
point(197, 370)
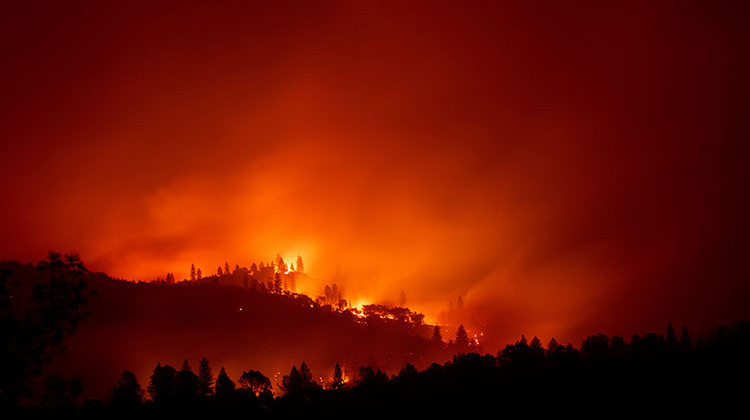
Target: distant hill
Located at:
point(135, 325)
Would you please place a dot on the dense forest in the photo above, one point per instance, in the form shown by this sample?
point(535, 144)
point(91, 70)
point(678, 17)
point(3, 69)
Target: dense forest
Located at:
point(666, 373)
point(134, 325)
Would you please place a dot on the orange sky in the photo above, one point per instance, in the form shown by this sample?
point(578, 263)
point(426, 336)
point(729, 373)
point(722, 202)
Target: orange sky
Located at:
point(565, 170)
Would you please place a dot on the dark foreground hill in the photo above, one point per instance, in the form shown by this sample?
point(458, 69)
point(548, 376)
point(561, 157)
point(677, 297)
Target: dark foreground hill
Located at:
point(136, 325)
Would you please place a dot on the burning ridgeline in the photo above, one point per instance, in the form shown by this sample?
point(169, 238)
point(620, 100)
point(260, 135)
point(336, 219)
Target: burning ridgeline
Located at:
point(275, 276)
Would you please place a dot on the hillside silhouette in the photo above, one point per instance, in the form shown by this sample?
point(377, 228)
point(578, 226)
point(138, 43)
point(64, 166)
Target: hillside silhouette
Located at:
point(138, 324)
point(140, 351)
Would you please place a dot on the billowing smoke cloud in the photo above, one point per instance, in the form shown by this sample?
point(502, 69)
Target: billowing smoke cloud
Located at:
point(562, 171)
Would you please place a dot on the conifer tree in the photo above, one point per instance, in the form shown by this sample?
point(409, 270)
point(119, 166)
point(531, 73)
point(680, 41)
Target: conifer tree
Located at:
point(552, 346)
point(685, 340)
point(205, 378)
point(300, 265)
point(291, 384)
point(462, 339)
point(163, 384)
point(188, 383)
point(277, 283)
point(127, 394)
point(436, 336)
point(337, 380)
point(224, 386)
point(281, 266)
point(671, 334)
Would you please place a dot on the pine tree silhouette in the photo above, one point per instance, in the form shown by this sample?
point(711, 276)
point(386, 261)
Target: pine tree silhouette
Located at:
point(224, 386)
point(462, 339)
point(127, 394)
point(436, 336)
point(205, 378)
point(162, 386)
point(337, 380)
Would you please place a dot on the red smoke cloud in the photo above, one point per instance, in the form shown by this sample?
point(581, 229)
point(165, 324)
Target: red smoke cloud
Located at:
point(563, 169)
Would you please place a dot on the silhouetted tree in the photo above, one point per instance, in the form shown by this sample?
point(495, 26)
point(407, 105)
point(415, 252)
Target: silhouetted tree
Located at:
point(291, 384)
point(219, 272)
point(552, 347)
point(74, 265)
point(53, 263)
point(299, 382)
point(596, 346)
point(162, 386)
point(224, 386)
point(281, 266)
point(536, 344)
point(617, 346)
point(368, 376)
point(436, 336)
point(127, 394)
point(671, 334)
point(685, 341)
point(408, 371)
point(226, 267)
point(192, 272)
point(537, 350)
point(300, 265)
point(31, 338)
point(337, 380)
point(277, 283)
point(256, 382)
point(187, 383)
point(462, 339)
point(306, 376)
point(205, 378)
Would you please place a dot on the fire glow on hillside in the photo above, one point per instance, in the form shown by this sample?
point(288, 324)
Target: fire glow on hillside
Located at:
point(514, 167)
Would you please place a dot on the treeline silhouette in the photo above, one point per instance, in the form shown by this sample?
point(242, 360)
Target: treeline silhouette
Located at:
point(647, 375)
point(36, 319)
point(668, 374)
point(131, 324)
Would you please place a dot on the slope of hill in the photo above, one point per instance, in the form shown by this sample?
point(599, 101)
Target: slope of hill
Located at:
point(136, 325)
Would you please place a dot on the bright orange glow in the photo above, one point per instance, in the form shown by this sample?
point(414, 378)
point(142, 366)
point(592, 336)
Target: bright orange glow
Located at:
point(513, 168)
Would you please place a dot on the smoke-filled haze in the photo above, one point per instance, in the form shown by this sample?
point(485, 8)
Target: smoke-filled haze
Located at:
point(564, 168)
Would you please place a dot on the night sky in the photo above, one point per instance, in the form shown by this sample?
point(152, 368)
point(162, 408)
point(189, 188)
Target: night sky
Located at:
point(563, 167)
